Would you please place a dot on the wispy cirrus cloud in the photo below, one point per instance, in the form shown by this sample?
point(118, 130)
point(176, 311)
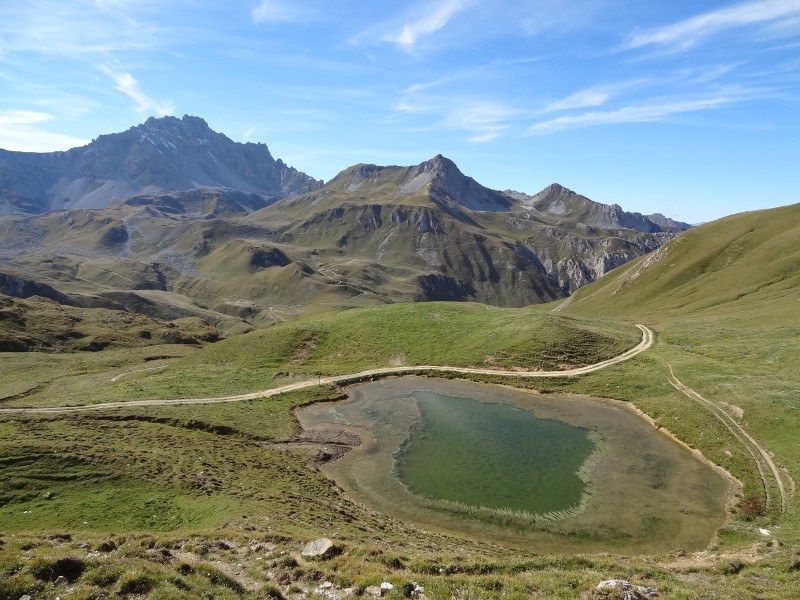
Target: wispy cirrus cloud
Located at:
point(590, 97)
point(423, 22)
point(690, 32)
point(127, 84)
point(277, 11)
point(484, 120)
point(21, 130)
point(79, 28)
point(628, 114)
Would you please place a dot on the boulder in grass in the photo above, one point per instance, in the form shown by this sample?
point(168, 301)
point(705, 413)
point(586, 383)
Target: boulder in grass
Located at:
point(321, 548)
point(625, 590)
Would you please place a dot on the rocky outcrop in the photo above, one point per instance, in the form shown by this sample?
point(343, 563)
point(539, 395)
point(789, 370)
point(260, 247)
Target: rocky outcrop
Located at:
point(450, 186)
point(19, 287)
point(557, 201)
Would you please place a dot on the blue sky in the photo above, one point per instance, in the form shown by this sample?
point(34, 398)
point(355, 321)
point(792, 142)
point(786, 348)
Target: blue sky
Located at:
point(689, 108)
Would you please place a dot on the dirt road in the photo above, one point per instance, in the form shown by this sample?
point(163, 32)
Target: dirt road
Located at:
point(647, 341)
point(767, 470)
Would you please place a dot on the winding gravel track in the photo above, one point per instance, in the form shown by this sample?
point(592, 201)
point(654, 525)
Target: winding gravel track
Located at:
point(647, 341)
point(764, 463)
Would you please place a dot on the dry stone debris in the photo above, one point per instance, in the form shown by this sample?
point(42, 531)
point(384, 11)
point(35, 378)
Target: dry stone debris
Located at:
point(625, 590)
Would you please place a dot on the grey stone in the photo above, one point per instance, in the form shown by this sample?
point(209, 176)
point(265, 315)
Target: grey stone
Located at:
point(321, 548)
point(626, 590)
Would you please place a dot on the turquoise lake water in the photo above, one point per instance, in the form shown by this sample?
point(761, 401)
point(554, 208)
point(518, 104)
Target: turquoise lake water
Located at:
point(492, 455)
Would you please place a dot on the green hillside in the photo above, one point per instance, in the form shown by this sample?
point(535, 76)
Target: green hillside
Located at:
point(745, 266)
point(725, 301)
point(216, 500)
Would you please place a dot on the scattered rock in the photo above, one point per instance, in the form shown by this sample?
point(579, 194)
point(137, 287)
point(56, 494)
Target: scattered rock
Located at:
point(386, 586)
point(321, 548)
point(374, 591)
point(60, 580)
point(60, 538)
point(625, 590)
point(765, 532)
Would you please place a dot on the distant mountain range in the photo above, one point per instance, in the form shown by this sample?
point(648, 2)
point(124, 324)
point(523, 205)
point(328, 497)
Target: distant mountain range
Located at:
point(166, 154)
point(188, 223)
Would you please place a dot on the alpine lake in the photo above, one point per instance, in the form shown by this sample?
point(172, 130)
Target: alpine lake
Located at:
point(552, 473)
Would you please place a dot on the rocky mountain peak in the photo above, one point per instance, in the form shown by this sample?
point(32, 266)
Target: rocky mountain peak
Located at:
point(440, 165)
point(448, 185)
point(160, 155)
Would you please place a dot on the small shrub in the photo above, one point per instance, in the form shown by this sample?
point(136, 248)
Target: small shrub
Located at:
point(752, 506)
point(407, 588)
point(180, 584)
point(393, 562)
point(137, 584)
point(69, 568)
point(734, 567)
point(107, 546)
point(270, 592)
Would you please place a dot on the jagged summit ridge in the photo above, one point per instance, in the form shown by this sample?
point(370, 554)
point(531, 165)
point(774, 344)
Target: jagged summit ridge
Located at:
point(439, 177)
point(160, 155)
point(557, 200)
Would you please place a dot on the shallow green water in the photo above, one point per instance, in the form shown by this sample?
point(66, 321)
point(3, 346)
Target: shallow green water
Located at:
point(492, 455)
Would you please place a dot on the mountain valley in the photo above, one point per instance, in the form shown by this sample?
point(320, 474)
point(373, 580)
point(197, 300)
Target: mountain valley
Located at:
point(145, 450)
point(240, 240)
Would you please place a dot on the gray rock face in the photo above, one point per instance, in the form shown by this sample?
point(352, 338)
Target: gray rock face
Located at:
point(557, 200)
point(18, 287)
point(160, 155)
point(451, 186)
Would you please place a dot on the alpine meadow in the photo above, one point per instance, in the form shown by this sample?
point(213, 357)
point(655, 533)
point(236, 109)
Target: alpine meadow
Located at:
point(522, 321)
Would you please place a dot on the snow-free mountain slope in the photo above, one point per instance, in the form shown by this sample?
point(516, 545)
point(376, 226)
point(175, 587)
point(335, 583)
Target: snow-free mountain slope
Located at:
point(160, 155)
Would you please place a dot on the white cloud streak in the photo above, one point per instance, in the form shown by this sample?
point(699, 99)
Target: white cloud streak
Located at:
point(583, 99)
point(20, 130)
point(79, 28)
point(436, 17)
point(276, 11)
point(687, 33)
point(126, 84)
point(483, 120)
point(627, 114)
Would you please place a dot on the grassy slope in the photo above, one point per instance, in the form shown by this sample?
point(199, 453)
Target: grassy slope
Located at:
point(724, 298)
point(184, 476)
point(742, 350)
point(465, 334)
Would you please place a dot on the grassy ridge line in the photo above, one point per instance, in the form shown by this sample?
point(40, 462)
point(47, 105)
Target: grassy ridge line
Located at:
point(646, 342)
